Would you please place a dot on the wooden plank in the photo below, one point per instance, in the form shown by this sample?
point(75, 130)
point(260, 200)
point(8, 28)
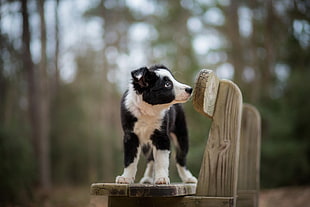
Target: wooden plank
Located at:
point(249, 163)
point(109, 189)
point(202, 201)
point(179, 189)
point(143, 190)
point(188, 201)
point(247, 198)
point(219, 169)
point(207, 84)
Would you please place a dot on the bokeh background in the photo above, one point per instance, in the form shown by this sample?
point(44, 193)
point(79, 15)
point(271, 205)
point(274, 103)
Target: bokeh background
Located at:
point(65, 63)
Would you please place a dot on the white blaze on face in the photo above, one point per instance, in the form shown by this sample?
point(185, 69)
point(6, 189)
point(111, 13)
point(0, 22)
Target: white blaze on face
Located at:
point(179, 88)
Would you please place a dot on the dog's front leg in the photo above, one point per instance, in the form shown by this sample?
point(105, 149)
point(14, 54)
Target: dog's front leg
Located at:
point(131, 158)
point(161, 166)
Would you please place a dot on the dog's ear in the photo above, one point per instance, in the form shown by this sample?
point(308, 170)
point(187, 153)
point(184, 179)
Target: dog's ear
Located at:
point(139, 77)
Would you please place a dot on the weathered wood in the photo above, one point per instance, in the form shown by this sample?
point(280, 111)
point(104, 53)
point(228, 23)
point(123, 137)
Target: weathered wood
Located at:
point(177, 189)
point(143, 190)
point(249, 162)
point(219, 169)
point(109, 189)
point(202, 201)
point(188, 201)
point(247, 198)
point(205, 92)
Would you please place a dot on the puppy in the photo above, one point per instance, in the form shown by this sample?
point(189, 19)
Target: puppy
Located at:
point(151, 116)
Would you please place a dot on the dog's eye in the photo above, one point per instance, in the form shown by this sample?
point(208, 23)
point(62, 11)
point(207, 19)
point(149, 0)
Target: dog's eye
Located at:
point(168, 84)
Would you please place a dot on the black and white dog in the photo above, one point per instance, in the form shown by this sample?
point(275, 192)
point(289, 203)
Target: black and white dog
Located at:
point(151, 115)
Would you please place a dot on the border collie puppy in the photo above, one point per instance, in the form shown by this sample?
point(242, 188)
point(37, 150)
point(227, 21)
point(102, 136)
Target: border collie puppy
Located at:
point(151, 116)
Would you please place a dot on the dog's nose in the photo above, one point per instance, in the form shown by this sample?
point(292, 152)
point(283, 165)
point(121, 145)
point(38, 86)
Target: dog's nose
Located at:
point(189, 90)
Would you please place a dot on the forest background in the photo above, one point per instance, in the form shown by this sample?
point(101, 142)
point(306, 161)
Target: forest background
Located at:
point(64, 65)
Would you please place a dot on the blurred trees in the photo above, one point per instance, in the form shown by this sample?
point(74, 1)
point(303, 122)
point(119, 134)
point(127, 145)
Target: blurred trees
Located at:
point(38, 94)
point(69, 130)
point(44, 105)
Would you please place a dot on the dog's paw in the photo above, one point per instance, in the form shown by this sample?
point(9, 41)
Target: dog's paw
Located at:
point(162, 180)
point(146, 180)
point(185, 175)
point(191, 179)
point(124, 180)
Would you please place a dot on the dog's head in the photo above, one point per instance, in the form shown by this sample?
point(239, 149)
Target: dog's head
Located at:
point(157, 86)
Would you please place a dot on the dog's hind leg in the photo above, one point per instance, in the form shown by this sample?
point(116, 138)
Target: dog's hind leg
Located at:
point(180, 138)
point(181, 152)
point(148, 177)
point(185, 175)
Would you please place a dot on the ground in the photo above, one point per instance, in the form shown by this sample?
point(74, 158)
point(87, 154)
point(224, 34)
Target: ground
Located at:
point(285, 197)
point(79, 197)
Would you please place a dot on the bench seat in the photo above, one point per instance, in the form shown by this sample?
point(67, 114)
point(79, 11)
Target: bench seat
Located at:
point(143, 190)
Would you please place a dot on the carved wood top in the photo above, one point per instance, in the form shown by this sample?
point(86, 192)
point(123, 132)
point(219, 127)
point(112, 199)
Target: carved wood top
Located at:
point(205, 92)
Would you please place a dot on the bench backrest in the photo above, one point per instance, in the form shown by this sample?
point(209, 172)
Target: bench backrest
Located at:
point(230, 166)
point(219, 170)
point(249, 161)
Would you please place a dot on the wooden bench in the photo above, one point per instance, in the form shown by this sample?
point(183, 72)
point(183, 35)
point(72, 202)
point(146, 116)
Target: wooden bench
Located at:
point(229, 174)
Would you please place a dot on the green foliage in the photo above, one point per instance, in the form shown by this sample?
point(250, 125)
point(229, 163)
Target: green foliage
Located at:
point(284, 162)
point(286, 146)
point(17, 166)
point(68, 139)
point(17, 163)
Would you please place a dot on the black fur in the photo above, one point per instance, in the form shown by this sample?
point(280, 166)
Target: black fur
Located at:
point(174, 121)
point(181, 134)
point(151, 86)
point(131, 144)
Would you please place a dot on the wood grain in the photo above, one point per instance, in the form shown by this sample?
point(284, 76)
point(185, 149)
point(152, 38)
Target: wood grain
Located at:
point(176, 189)
point(249, 162)
point(143, 190)
point(219, 169)
point(205, 92)
point(109, 189)
point(248, 198)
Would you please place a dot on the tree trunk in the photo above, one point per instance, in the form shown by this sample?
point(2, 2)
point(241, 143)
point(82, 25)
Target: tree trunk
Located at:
point(56, 61)
point(2, 80)
point(254, 90)
point(267, 77)
point(44, 155)
point(31, 79)
point(234, 37)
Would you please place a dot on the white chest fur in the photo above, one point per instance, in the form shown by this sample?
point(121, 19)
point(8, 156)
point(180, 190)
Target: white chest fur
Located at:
point(145, 127)
point(149, 117)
